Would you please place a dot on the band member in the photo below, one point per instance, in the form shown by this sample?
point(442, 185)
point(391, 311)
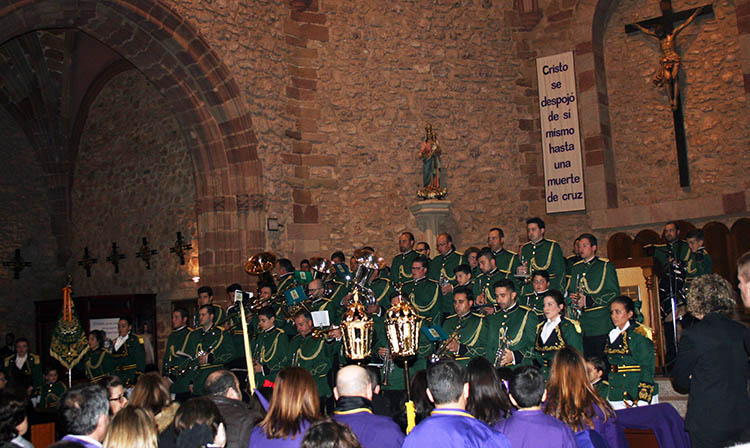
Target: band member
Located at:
point(209, 348)
point(270, 348)
point(700, 261)
point(472, 258)
point(426, 298)
point(206, 297)
point(319, 302)
point(570, 260)
point(24, 368)
point(128, 353)
point(630, 352)
point(423, 249)
point(542, 254)
point(442, 267)
point(533, 299)
point(592, 286)
point(489, 276)
point(556, 332)
point(505, 260)
point(471, 328)
point(97, 362)
point(513, 325)
point(401, 264)
point(175, 355)
point(312, 353)
point(285, 271)
point(52, 390)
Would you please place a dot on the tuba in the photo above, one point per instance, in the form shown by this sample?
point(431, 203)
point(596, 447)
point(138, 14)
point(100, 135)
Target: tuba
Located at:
point(260, 263)
point(367, 263)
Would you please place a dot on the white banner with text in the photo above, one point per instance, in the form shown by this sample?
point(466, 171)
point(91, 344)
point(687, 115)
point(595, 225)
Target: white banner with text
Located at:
point(561, 138)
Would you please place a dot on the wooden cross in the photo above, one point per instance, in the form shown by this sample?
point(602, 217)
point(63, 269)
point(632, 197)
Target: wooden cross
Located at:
point(180, 248)
point(17, 264)
point(87, 261)
point(115, 256)
point(668, 72)
point(146, 252)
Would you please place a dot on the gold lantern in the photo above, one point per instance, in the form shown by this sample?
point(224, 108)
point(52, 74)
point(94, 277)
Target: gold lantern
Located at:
point(402, 329)
point(357, 330)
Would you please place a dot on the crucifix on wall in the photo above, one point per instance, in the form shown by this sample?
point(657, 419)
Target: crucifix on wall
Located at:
point(669, 67)
point(17, 264)
point(115, 256)
point(87, 261)
point(146, 253)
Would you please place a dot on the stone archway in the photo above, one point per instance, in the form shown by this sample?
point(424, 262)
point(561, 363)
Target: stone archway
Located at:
point(204, 98)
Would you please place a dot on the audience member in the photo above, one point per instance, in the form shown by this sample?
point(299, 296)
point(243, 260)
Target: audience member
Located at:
point(132, 427)
point(115, 393)
point(449, 425)
point(422, 404)
point(13, 421)
point(84, 415)
point(152, 393)
point(743, 275)
point(198, 423)
point(488, 399)
point(530, 427)
point(572, 399)
point(329, 434)
point(712, 363)
point(353, 394)
point(294, 406)
point(223, 388)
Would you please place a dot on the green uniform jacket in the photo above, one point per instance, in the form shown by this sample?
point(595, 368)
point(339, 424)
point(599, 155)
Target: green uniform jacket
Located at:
point(130, 360)
point(534, 301)
point(177, 342)
point(680, 249)
point(426, 298)
point(334, 310)
point(401, 267)
point(216, 342)
point(546, 255)
point(286, 282)
point(600, 285)
point(233, 327)
point(395, 375)
point(507, 262)
point(700, 263)
point(567, 333)
point(97, 364)
point(602, 388)
point(631, 357)
point(518, 326)
point(484, 284)
point(271, 349)
point(316, 356)
point(381, 287)
point(443, 265)
point(51, 394)
point(472, 336)
point(30, 373)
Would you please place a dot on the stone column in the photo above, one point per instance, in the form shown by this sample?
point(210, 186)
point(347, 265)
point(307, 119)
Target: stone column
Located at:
point(431, 215)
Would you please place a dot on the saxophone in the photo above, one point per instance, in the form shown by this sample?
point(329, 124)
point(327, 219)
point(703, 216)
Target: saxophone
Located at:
point(502, 345)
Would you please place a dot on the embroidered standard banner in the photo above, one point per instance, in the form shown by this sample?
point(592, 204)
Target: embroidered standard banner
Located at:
point(561, 140)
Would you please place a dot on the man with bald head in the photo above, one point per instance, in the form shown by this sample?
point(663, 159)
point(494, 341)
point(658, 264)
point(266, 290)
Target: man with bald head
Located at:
point(353, 393)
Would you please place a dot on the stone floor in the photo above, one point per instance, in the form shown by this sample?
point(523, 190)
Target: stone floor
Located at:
point(667, 394)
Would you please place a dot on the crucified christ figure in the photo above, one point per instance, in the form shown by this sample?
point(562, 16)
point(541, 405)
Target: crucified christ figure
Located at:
point(667, 74)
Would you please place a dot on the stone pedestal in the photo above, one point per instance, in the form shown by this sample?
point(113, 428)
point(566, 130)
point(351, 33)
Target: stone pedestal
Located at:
point(431, 216)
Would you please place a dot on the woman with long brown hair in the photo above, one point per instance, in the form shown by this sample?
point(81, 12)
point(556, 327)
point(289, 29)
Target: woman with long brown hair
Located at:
point(572, 399)
point(151, 392)
point(294, 406)
point(132, 427)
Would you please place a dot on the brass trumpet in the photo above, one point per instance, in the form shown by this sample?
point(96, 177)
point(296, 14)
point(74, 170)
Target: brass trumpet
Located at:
point(323, 332)
point(443, 352)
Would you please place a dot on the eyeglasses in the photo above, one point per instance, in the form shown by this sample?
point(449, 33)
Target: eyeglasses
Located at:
point(121, 398)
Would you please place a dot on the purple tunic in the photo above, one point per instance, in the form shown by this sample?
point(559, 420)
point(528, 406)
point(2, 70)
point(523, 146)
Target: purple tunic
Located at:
point(612, 432)
point(531, 429)
point(258, 438)
point(454, 428)
point(373, 431)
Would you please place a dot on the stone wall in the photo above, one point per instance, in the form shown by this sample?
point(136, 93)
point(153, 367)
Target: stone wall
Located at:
point(25, 225)
point(134, 178)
